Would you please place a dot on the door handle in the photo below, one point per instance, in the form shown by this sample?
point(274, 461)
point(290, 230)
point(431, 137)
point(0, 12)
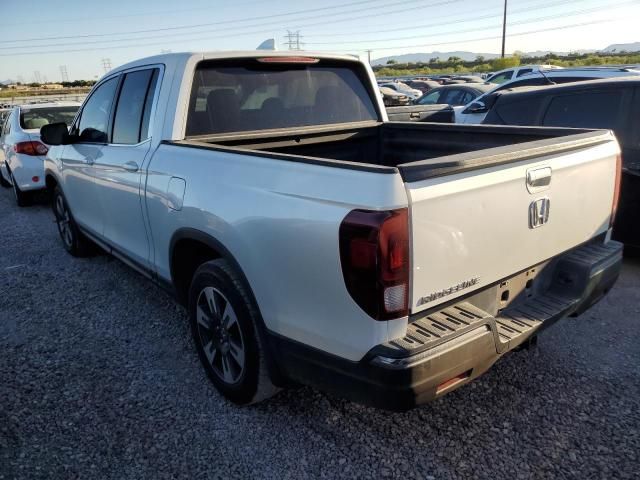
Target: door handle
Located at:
point(131, 166)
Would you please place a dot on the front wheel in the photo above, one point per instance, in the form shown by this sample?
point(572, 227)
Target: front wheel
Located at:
point(74, 242)
point(224, 327)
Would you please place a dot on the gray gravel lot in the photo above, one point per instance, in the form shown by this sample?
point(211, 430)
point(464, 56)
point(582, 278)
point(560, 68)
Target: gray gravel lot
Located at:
point(99, 379)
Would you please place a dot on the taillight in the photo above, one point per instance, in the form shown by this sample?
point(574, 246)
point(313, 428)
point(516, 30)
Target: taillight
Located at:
point(288, 60)
point(34, 148)
point(374, 252)
point(616, 190)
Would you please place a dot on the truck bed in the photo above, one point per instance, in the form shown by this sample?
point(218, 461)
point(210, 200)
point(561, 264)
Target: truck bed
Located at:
point(417, 151)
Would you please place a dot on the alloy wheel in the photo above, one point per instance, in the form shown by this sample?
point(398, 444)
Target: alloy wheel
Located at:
point(63, 221)
point(220, 335)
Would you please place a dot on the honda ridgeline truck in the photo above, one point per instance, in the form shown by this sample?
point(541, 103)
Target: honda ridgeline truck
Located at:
point(314, 242)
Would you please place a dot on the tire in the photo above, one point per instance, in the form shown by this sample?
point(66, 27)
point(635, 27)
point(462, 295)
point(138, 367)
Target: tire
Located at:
point(73, 240)
point(23, 199)
point(4, 182)
point(224, 327)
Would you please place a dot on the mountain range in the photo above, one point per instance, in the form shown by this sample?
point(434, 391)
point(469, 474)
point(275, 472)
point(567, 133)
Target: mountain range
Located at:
point(469, 56)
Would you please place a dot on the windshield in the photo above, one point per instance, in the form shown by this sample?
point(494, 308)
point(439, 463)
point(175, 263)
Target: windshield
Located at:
point(31, 119)
point(249, 95)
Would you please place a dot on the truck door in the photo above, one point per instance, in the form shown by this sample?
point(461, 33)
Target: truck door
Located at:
point(119, 174)
point(78, 159)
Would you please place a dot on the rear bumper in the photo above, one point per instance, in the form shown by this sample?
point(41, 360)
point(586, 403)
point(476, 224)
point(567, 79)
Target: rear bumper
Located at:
point(25, 168)
point(452, 346)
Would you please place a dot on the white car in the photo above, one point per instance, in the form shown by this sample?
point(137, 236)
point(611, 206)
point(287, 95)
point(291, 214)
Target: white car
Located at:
point(476, 111)
point(21, 150)
point(515, 72)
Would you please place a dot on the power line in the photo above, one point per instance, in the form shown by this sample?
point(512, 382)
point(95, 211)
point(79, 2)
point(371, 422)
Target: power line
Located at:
point(530, 32)
point(573, 13)
point(225, 22)
point(209, 37)
point(106, 64)
point(439, 23)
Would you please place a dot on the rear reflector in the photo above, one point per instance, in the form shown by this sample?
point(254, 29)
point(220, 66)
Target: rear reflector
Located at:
point(35, 179)
point(616, 190)
point(34, 148)
point(288, 60)
point(453, 381)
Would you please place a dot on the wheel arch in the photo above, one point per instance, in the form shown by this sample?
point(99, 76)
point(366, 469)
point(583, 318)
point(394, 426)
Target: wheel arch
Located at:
point(188, 249)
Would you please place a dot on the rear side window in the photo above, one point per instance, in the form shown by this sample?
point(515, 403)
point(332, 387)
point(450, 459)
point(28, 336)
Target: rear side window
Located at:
point(584, 110)
point(135, 97)
point(519, 112)
point(235, 96)
point(525, 71)
point(94, 120)
point(35, 118)
point(502, 77)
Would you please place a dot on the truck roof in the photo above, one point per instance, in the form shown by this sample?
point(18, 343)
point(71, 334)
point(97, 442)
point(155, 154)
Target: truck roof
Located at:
point(183, 57)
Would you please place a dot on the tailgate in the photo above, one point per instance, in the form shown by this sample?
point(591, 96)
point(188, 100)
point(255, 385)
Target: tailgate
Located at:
point(476, 226)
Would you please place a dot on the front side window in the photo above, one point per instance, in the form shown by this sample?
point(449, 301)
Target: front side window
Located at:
point(128, 122)
point(430, 98)
point(94, 119)
point(248, 95)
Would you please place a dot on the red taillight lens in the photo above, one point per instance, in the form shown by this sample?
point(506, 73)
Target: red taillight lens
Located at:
point(616, 190)
point(34, 149)
point(374, 252)
point(288, 60)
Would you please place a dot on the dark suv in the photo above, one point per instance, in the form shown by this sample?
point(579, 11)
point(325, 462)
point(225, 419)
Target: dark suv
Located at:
point(613, 104)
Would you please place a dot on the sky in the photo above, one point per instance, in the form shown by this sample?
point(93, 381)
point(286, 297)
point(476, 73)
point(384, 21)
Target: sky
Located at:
point(37, 38)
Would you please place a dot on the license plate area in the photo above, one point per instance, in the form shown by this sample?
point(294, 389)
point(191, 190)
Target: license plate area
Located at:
point(519, 288)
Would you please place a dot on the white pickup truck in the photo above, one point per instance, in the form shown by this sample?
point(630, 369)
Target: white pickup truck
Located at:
point(313, 241)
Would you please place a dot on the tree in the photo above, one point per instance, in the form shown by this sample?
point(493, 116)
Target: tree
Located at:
point(434, 60)
point(454, 59)
point(391, 62)
point(480, 59)
point(507, 62)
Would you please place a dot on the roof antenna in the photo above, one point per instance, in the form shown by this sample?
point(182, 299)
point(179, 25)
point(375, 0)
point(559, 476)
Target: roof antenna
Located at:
point(549, 81)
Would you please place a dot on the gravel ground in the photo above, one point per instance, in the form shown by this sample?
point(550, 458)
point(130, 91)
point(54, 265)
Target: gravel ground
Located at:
point(99, 379)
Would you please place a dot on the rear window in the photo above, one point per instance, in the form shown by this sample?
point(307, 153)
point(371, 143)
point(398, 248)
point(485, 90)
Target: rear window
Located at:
point(31, 119)
point(250, 95)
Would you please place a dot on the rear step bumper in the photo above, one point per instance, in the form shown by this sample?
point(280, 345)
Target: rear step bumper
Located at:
point(451, 347)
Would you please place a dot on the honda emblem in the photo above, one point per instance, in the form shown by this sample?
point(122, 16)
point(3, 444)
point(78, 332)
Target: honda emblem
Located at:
point(539, 212)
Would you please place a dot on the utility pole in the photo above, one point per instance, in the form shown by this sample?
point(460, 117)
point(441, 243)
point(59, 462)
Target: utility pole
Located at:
point(293, 40)
point(369, 55)
point(106, 64)
point(63, 73)
point(37, 77)
point(504, 27)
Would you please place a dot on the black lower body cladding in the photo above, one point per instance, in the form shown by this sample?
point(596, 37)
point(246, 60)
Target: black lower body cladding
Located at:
point(408, 372)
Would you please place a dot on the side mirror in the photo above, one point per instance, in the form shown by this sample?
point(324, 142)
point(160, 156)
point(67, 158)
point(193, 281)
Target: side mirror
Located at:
point(55, 134)
point(476, 107)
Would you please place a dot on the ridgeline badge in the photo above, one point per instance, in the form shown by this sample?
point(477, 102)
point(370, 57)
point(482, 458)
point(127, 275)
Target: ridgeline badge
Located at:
point(448, 291)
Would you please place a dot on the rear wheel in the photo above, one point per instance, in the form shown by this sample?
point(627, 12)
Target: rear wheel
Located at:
point(23, 199)
point(74, 242)
point(224, 327)
point(3, 181)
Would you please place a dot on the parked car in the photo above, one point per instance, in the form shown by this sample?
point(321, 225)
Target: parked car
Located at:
point(405, 89)
point(313, 241)
point(423, 85)
point(515, 72)
point(21, 149)
point(464, 79)
point(392, 98)
point(475, 111)
point(455, 95)
point(612, 104)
